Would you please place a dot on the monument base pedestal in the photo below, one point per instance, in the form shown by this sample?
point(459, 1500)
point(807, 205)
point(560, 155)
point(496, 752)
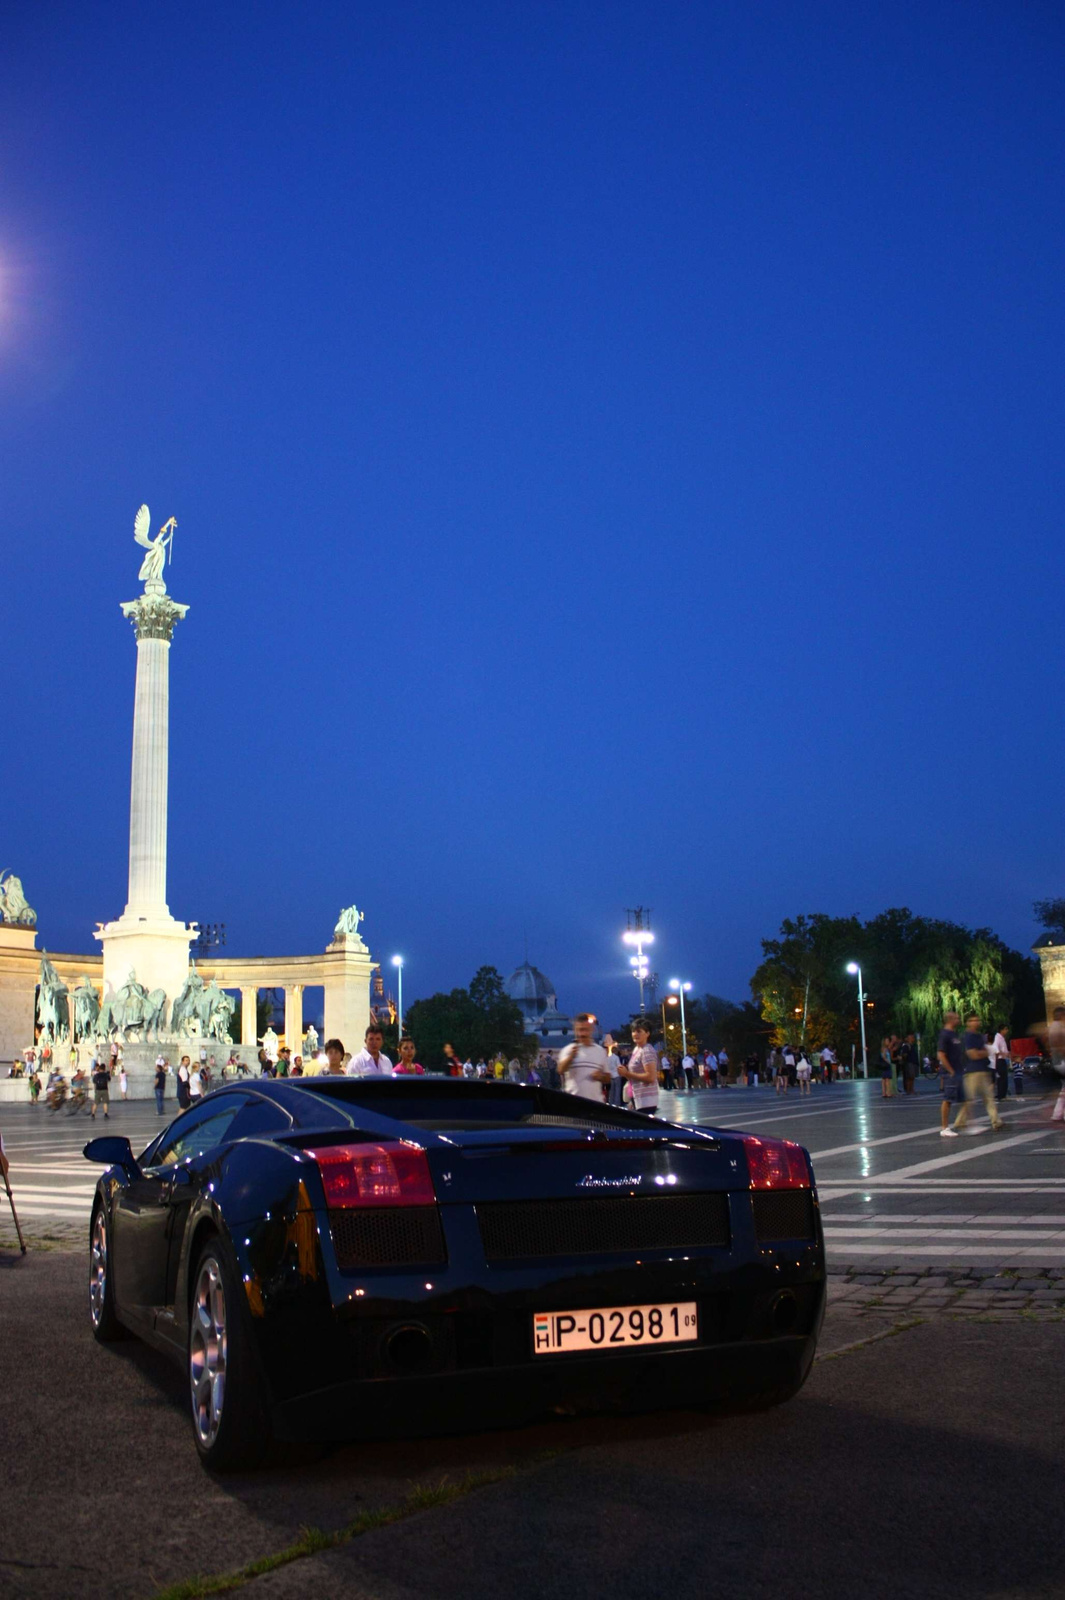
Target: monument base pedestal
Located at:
point(139, 1062)
point(156, 948)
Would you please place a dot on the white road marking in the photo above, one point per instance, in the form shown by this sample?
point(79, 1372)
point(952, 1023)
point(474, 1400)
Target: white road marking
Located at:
point(957, 1156)
point(1040, 1252)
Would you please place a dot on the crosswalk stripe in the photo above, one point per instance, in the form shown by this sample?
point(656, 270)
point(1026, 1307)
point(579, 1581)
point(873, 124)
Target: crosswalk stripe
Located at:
point(1052, 1251)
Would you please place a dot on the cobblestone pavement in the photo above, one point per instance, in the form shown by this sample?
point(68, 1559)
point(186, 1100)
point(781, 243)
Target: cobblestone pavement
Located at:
point(1011, 1293)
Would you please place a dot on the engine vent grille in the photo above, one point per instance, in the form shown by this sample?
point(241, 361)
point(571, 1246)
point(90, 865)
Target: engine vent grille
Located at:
point(388, 1236)
point(602, 1225)
point(783, 1214)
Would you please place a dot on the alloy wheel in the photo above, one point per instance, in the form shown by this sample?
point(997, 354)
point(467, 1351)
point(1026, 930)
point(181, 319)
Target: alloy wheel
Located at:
point(207, 1353)
point(98, 1268)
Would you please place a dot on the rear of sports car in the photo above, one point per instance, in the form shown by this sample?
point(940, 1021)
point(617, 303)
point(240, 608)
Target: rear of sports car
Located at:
point(472, 1267)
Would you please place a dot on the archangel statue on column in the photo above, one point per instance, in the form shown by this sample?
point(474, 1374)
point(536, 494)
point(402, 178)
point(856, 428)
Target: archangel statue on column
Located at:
point(157, 548)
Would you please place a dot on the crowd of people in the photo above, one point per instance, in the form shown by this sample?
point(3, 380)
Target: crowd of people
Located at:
point(973, 1066)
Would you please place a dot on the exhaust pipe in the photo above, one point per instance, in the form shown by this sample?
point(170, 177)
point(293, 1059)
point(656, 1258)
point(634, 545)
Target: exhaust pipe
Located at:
point(784, 1312)
point(410, 1348)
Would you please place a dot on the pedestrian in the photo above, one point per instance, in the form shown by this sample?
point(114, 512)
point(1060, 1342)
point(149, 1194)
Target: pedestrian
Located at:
point(101, 1089)
point(803, 1072)
point(1056, 1046)
point(711, 1069)
point(977, 1078)
point(687, 1066)
point(453, 1061)
point(481, 1068)
point(334, 1058)
point(123, 1081)
point(909, 1063)
point(828, 1063)
point(35, 1087)
point(613, 1065)
point(196, 1085)
point(584, 1066)
point(951, 1060)
point(297, 1067)
point(641, 1070)
point(406, 1063)
point(160, 1082)
point(722, 1068)
point(183, 1074)
point(999, 1057)
point(785, 1069)
point(371, 1062)
point(752, 1069)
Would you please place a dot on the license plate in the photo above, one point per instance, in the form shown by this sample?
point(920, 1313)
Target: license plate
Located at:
point(614, 1328)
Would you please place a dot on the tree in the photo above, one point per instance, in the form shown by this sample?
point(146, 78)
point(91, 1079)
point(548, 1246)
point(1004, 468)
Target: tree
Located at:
point(1051, 915)
point(913, 970)
point(477, 1021)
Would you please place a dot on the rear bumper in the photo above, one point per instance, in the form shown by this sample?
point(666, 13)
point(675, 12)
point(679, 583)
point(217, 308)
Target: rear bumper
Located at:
point(724, 1376)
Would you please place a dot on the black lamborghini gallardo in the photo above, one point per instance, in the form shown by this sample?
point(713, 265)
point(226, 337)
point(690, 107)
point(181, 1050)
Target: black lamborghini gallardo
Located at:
point(333, 1257)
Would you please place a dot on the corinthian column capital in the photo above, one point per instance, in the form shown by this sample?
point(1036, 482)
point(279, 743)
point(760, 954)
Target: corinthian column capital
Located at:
point(154, 616)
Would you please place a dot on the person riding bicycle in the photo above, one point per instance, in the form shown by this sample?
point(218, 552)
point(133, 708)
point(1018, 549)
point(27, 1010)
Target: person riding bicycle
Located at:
point(56, 1090)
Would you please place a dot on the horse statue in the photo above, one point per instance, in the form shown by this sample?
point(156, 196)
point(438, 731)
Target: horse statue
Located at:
point(53, 1013)
point(220, 1015)
point(155, 1014)
point(86, 1010)
point(189, 1006)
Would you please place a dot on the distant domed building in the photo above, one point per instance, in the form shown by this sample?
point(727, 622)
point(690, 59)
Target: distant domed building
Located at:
point(534, 995)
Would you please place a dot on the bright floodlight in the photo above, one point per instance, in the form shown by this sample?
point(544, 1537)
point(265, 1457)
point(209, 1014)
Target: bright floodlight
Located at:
point(852, 966)
point(397, 961)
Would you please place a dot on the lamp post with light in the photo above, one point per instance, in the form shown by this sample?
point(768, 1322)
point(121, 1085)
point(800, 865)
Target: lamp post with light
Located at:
point(638, 936)
point(682, 989)
point(397, 962)
point(852, 968)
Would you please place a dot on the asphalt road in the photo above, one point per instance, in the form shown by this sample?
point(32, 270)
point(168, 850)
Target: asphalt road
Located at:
point(922, 1463)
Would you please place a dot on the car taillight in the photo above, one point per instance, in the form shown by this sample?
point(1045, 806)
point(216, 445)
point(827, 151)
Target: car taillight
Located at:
point(387, 1174)
point(776, 1163)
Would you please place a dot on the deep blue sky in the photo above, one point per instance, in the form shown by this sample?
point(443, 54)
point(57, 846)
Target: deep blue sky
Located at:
point(617, 451)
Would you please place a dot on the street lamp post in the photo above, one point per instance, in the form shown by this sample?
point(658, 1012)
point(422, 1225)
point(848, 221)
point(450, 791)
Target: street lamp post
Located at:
point(397, 962)
point(852, 968)
point(682, 989)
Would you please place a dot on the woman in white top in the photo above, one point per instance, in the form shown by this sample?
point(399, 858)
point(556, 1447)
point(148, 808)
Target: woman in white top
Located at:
point(641, 1070)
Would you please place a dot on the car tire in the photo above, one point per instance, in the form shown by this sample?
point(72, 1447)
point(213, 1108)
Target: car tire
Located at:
point(105, 1324)
point(229, 1421)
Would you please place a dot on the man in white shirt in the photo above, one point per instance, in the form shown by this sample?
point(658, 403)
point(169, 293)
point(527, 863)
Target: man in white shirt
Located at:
point(687, 1066)
point(195, 1084)
point(370, 1061)
point(584, 1066)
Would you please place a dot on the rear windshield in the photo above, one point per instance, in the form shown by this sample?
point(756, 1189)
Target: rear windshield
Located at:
point(473, 1105)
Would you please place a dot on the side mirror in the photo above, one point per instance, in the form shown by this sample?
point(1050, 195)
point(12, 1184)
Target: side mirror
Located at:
point(112, 1151)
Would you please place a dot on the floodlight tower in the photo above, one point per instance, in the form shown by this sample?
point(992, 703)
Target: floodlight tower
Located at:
point(638, 934)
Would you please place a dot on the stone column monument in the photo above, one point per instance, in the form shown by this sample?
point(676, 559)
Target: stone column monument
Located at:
point(146, 939)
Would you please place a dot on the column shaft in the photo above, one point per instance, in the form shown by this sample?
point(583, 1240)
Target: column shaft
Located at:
point(249, 1000)
point(294, 1017)
point(148, 783)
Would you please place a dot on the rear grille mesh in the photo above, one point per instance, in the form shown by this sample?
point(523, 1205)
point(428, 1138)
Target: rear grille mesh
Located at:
point(783, 1214)
point(603, 1225)
point(388, 1236)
